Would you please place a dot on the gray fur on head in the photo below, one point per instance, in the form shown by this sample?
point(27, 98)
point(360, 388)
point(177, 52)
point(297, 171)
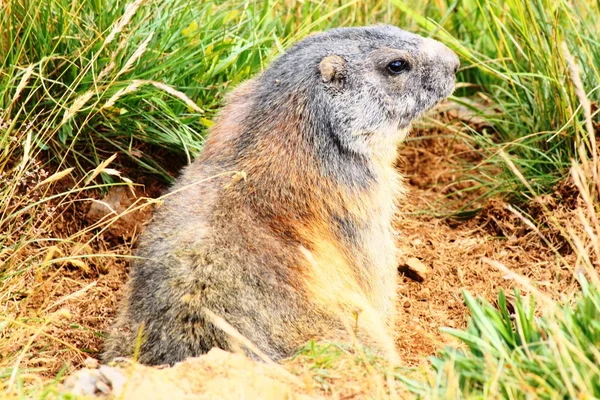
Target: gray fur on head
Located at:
point(343, 73)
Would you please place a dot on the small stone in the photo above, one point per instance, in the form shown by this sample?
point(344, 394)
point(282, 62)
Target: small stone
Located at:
point(82, 383)
point(91, 363)
point(414, 269)
point(115, 377)
point(102, 388)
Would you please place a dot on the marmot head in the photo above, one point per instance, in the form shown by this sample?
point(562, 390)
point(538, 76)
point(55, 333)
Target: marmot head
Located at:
point(363, 86)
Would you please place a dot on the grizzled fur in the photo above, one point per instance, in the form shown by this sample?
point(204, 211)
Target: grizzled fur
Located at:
point(301, 242)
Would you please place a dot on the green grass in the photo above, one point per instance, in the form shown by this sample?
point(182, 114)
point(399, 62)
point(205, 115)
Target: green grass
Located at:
point(515, 65)
point(510, 350)
point(73, 59)
point(87, 68)
point(524, 356)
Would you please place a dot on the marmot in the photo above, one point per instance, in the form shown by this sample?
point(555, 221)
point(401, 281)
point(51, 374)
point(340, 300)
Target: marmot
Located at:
point(300, 240)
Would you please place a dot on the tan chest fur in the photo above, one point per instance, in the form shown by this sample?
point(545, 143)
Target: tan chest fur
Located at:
point(358, 283)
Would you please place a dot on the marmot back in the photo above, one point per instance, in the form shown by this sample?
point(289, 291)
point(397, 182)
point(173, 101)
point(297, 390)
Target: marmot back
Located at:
point(300, 239)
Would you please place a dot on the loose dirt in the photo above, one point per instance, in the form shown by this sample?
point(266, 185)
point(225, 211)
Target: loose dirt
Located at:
point(455, 250)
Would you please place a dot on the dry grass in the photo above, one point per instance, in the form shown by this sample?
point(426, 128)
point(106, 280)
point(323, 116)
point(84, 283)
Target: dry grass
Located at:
point(61, 274)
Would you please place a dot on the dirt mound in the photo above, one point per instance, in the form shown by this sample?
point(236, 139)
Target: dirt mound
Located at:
point(215, 375)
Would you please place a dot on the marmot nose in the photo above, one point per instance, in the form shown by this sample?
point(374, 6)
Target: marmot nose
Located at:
point(453, 61)
point(438, 52)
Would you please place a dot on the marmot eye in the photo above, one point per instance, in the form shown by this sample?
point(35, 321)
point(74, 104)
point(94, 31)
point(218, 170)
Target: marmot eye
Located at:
point(397, 66)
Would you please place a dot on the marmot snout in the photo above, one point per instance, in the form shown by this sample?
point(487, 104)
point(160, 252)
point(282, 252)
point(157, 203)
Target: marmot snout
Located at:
point(305, 241)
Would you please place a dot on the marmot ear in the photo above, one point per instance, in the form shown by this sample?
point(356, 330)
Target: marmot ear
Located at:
point(333, 69)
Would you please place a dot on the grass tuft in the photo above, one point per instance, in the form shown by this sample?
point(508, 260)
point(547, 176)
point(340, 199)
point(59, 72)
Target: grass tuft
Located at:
point(518, 60)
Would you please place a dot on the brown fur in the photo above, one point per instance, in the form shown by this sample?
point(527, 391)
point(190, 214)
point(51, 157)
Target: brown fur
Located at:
point(324, 255)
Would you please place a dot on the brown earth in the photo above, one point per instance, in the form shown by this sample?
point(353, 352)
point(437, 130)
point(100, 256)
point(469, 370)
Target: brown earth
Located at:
point(58, 313)
point(454, 251)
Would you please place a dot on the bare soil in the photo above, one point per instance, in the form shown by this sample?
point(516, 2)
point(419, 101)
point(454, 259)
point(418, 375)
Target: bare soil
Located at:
point(454, 250)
